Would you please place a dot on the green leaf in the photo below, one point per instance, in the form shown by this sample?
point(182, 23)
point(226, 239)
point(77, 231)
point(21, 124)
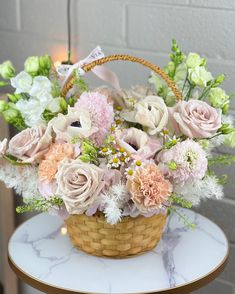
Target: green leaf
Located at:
point(14, 161)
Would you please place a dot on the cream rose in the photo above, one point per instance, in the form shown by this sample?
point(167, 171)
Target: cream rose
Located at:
point(195, 119)
point(79, 184)
point(137, 143)
point(151, 112)
point(31, 144)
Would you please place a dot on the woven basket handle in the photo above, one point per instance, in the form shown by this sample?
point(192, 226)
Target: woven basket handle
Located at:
point(87, 67)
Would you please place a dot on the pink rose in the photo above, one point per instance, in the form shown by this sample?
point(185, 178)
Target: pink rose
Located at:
point(195, 119)
point(3, 147)
point(31, 144)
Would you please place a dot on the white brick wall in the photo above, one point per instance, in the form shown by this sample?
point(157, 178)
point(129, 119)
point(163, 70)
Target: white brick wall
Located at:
point(143, 28)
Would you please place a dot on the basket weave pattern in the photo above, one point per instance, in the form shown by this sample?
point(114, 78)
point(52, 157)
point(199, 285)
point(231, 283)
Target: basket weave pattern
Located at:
point(129, 237)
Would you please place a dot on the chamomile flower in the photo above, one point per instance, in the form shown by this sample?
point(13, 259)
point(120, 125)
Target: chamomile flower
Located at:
point(114, 162)
point(105, 151)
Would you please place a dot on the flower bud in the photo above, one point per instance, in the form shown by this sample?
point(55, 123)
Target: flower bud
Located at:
point(225, 108)
point(14, 97)
point(63, 104)
point(3, 106)
point(7, 70)
point(71, 101)
point(31, 65)
point(226, 129)
point(10, 115)
point(218, 80)
point(45, 62)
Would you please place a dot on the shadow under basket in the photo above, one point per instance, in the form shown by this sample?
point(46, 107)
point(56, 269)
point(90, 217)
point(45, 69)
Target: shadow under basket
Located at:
point(132, 236)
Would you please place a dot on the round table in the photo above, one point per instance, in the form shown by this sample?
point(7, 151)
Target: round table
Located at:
point(186, 259)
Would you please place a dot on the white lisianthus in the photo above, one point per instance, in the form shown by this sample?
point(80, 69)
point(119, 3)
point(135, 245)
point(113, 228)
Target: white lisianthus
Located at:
point(199, 76)
point(32, 110)
point(22, 82)
point(41, 87)
point(194, 60)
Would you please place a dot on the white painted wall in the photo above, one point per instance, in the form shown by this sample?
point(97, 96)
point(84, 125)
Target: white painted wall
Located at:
point(140, 27)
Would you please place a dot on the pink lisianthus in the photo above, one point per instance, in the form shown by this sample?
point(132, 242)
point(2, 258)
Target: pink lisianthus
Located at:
point(137, 143)
point(186, 161)
point(31, 144)
point(195, 118)
point(101, 113)
point(148, 188)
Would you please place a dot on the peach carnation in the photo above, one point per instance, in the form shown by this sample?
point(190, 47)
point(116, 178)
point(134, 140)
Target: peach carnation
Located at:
point(59, 151)
point(47, 170)
point(56, 153)
point(148, 188)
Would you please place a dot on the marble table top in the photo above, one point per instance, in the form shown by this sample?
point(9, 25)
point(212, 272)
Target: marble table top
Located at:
point(40, 252)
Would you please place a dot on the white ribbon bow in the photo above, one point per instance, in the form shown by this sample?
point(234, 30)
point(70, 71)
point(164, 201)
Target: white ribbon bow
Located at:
point(65, 70)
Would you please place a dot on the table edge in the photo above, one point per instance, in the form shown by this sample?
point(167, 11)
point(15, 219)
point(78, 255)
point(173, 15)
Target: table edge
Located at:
point(183, 289)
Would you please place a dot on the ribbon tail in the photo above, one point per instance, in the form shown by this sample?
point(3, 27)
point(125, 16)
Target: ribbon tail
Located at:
point(107, 75)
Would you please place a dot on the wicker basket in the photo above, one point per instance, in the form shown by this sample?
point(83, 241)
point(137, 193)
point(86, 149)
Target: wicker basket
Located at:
point(132, 235)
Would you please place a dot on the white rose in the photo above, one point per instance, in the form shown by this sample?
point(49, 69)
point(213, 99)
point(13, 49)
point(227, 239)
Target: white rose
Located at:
point(22, 82)
point(151, 112)
point(41, 87)
point(199, 76)
point(194, 60)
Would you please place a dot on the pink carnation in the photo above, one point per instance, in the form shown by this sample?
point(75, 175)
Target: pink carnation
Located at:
point(101, 113)
point(186, 161)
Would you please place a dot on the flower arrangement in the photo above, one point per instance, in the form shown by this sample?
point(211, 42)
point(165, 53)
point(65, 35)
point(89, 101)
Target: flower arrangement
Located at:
point(122, 152)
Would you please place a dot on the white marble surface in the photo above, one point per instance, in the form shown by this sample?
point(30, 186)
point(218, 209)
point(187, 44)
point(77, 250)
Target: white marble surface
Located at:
point(39, 249)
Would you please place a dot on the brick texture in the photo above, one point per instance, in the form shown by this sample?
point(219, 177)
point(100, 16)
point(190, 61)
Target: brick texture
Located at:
point(141, 28)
